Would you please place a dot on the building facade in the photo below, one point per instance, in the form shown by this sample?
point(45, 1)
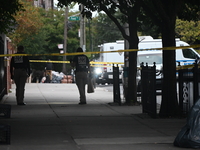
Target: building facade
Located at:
point(5, 81)
point(46, 4)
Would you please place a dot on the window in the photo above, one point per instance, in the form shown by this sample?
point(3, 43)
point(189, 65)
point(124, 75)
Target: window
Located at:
point(150, 59)
point(188, 53)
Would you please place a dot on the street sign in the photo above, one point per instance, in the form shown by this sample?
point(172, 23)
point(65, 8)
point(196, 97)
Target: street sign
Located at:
point(74, 18)
point(60, 46)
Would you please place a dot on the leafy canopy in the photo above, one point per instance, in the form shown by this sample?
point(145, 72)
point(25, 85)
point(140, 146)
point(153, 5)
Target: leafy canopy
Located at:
point(8, 9)
point(28, 22)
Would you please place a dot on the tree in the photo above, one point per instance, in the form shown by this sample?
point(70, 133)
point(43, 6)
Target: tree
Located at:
point(164, 14)
point(28, 22)
point(8, 9)
point(188, 31)
point(106, 30)
point(148, 27)
point(101, 29)
point(53, 34)
point(42, 31)
point(129, 13)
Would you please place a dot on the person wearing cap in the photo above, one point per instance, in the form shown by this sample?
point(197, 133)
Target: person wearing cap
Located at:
point(20, 70)
point(82, 67)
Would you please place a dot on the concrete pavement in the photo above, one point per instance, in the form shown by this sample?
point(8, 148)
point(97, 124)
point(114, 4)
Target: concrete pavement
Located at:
point(53, 120)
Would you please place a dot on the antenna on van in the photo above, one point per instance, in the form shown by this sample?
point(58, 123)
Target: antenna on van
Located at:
point(142, 38)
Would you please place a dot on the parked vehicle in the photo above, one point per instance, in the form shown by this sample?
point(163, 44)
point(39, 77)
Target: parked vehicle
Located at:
point(104, 74)
point(183, 57)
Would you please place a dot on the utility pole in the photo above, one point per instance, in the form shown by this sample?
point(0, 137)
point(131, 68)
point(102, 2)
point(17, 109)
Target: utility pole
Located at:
point(82, 29)
point(126, 63)
point(64, 69)
point(90, 34)
point(126, 46)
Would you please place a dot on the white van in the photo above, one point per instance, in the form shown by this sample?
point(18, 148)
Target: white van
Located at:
point(104, 74)
point(183, 56)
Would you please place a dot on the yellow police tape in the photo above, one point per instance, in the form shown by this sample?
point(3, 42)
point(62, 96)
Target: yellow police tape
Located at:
point(114, 51)
point(104, 66)
point(186, 67)
point(92, 62)
point(179, 67)
point(109, 64)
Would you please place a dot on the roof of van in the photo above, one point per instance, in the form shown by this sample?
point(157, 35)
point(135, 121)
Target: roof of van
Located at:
point(142, 39)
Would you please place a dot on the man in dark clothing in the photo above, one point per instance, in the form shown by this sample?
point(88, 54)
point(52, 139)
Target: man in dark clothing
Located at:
point(20, 70)
point(82, 65)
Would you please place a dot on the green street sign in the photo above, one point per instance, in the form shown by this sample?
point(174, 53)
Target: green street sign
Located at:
point(74, 18)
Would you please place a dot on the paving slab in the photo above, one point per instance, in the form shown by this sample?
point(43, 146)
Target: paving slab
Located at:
point(53, 120)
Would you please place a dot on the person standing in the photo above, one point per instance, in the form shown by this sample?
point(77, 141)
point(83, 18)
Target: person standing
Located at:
point(82, 67)
point(20, 70)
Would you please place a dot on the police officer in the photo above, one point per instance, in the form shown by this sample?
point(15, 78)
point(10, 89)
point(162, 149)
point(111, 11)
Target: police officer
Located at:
point(82, 66)
point(20, 70)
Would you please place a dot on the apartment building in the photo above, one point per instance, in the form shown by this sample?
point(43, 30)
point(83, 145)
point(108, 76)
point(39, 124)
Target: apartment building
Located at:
point(46, 4)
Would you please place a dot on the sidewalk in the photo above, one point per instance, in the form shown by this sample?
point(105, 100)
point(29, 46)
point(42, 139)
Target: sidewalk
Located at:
point(53, 120)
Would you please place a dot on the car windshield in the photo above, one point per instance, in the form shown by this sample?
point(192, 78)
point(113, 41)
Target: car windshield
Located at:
point(150, 59)
point(188, 53)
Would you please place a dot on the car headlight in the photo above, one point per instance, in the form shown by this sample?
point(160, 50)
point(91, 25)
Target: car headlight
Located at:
point(98, 71)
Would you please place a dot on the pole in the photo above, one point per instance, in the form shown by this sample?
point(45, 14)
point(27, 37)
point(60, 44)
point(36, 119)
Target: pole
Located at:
point(90, 34)
point(82, 29)
point(64, 70)
point(126, 63)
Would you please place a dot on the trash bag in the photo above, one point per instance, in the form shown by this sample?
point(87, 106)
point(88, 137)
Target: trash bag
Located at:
point(90, 87)
point(189, 136)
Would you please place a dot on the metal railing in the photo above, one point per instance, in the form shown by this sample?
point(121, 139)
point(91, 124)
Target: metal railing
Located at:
point(148, 90)
point(188, 87)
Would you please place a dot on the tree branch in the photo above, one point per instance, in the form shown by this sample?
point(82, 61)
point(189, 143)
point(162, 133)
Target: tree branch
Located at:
point(104, 8)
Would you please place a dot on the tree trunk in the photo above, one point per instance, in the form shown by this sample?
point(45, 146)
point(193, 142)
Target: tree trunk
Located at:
point(169, 105)
point(131, 97)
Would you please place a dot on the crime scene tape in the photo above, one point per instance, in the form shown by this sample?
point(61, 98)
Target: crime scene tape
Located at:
point(47, 61)
point(109, 64)
point(104, 66)
point(114, 51)
point(179, 67)
point(92, 62)
point(186, 67)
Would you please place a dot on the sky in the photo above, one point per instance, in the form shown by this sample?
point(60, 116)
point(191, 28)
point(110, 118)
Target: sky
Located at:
point(75, 7)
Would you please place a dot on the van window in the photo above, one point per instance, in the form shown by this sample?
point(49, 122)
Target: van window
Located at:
point(150, 59)
point(188, 53)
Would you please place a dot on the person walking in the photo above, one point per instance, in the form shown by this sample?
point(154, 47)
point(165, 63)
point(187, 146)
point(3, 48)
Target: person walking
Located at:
point(82, 67)
point(20, 70)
